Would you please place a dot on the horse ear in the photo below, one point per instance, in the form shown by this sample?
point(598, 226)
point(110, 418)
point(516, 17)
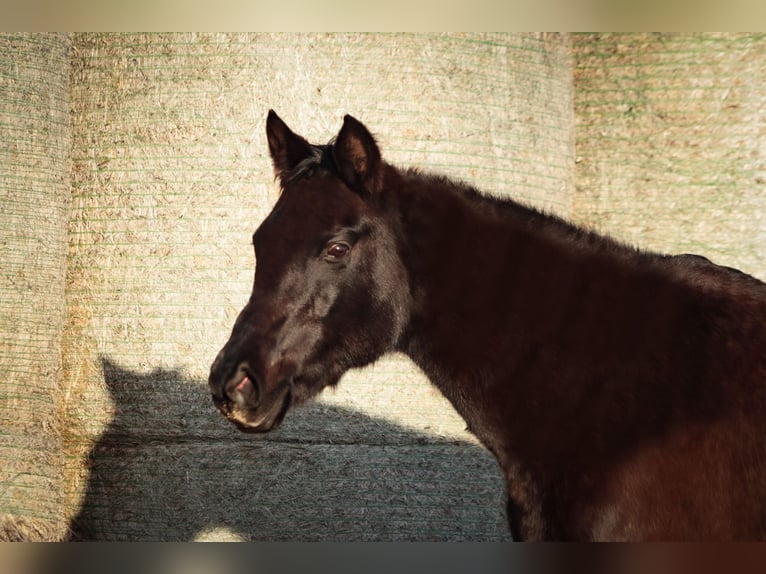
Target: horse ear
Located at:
point(287, 149)
point(357, 156)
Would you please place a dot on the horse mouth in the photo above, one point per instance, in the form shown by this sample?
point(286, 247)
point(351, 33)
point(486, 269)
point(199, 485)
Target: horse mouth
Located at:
point(258, 418)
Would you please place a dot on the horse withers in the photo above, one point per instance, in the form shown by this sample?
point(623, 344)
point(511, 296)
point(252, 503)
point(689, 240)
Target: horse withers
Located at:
point(623, 393)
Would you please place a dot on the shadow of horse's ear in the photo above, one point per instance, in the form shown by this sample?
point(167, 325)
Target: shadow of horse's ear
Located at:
point(287, 149)
point(357, 156)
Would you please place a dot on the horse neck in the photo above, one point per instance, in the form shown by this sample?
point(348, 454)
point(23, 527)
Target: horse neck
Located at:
point(490, 282)
point(469, 259)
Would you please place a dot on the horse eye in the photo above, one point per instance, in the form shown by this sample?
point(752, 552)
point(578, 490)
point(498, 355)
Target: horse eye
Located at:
point(337, 251)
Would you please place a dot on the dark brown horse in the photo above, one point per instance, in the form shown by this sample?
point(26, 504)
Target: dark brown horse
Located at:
point(623, 393)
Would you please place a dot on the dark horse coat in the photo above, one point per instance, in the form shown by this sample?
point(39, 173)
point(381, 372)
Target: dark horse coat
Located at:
point(623, 393)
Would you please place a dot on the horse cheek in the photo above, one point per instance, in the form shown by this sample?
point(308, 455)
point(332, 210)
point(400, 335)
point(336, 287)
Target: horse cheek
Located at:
point(322, 302)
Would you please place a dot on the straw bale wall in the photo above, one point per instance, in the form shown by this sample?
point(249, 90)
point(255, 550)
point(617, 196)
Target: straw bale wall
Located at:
point(671, 142)
point(171, 176)
point(35, 141)
point(134, 170)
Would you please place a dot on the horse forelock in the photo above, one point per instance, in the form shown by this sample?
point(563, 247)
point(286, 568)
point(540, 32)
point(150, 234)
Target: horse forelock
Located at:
point(319, 159)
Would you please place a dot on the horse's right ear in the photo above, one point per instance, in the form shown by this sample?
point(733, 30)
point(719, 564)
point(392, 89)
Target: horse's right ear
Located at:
point(287, 148)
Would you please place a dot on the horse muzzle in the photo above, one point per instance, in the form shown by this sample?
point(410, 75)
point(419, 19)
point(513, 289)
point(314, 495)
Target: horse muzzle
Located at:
point(244, 401)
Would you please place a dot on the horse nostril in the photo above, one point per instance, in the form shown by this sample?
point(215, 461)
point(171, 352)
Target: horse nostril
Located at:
point(243, 388)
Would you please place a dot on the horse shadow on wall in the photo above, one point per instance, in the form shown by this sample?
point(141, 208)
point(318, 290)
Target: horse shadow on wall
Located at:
point(170, 468)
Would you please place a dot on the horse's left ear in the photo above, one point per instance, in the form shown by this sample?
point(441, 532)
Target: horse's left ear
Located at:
point(357, 156)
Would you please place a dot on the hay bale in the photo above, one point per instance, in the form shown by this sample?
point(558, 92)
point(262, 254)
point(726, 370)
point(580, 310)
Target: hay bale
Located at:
point(35, 141)
point(170, 178)
point(670, 132)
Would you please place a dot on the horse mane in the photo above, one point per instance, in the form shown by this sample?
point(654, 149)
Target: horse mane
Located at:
point(528, 217)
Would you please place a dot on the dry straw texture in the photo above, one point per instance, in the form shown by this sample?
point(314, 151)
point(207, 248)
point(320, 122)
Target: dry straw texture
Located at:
point(170, 178)
point(671, 132)
point(35, 143)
